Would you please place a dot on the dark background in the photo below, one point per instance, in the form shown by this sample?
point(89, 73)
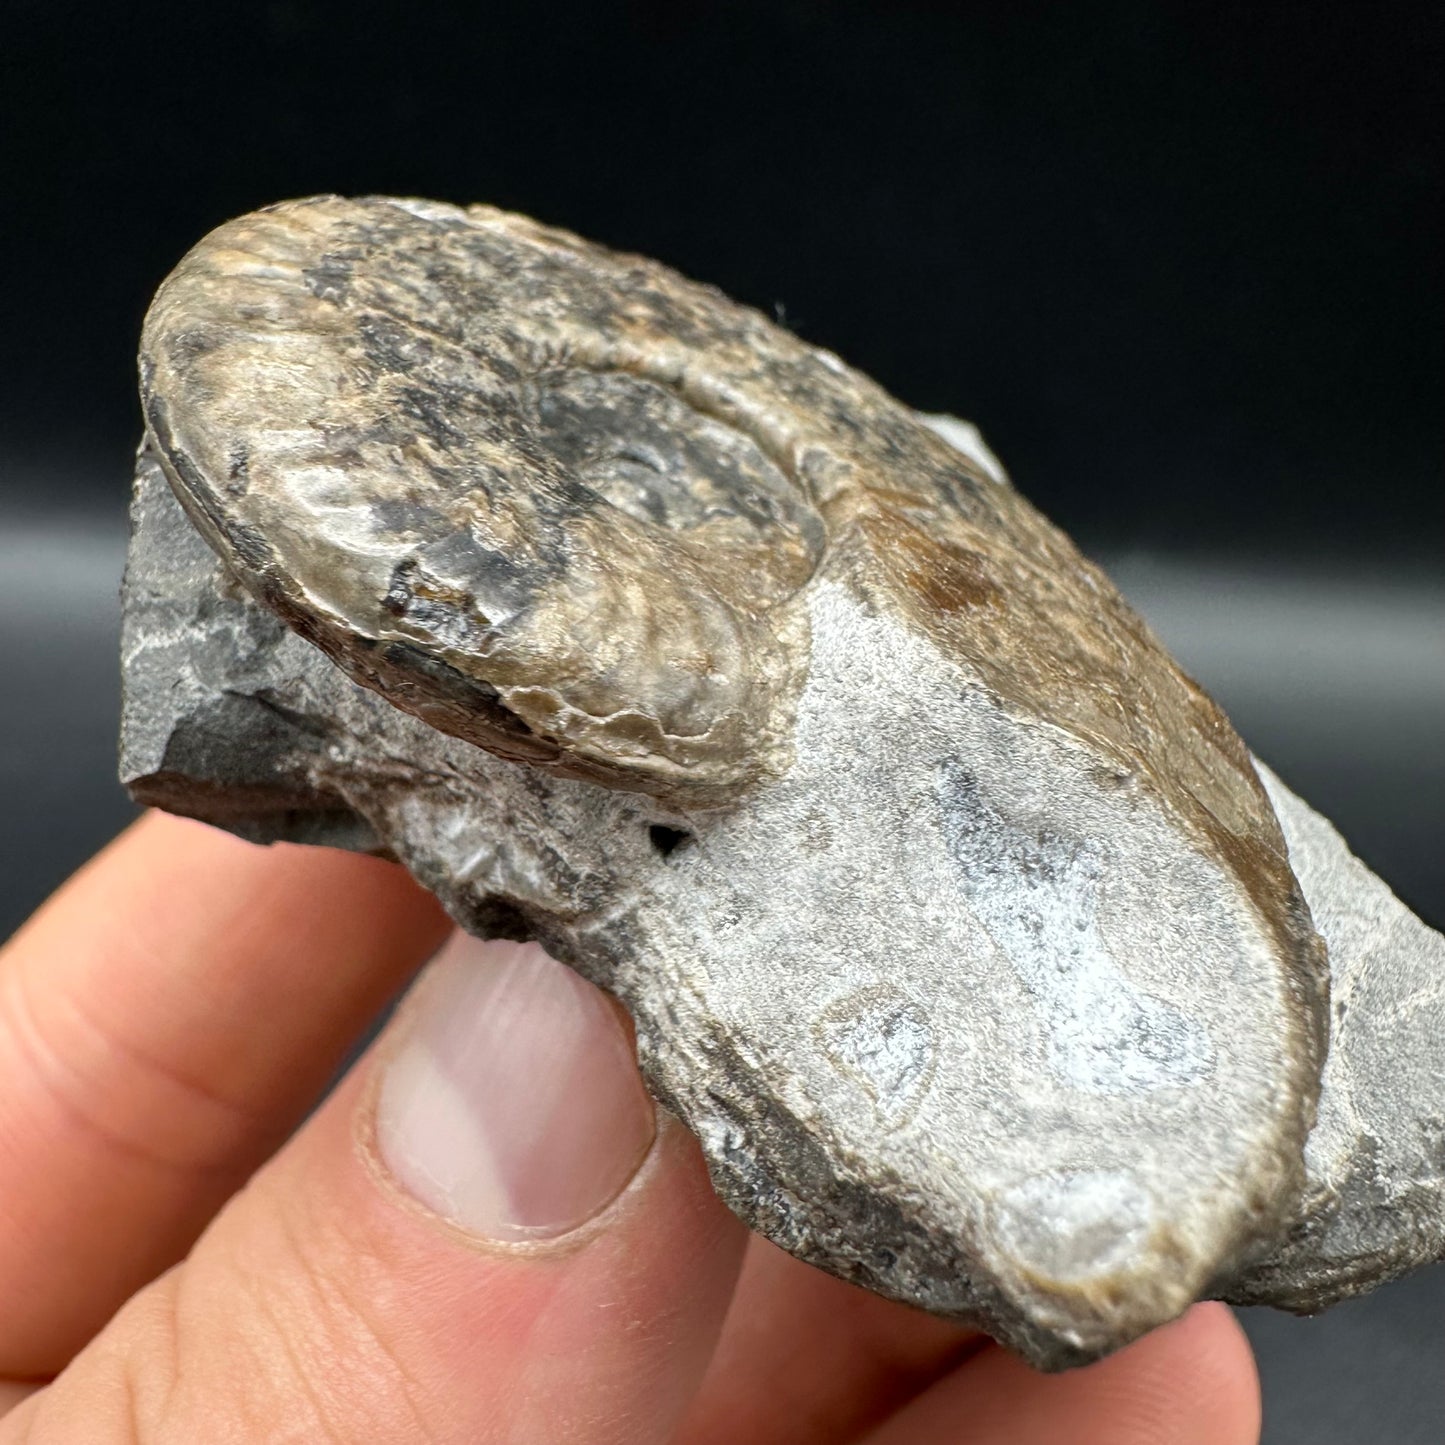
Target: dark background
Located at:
point(1180, 262)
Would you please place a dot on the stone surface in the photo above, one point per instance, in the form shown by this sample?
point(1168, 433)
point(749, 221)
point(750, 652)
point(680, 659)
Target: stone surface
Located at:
point(1374, 1205)
point(783, 700)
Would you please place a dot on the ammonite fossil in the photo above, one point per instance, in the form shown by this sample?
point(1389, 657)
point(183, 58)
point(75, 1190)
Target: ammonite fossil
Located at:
point(954, 918)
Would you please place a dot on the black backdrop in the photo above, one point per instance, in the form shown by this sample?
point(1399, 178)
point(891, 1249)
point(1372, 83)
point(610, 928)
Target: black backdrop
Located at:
point(1180, 260)
point(1181, 263)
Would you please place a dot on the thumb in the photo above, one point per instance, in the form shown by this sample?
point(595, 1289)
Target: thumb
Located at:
point(487, 1234)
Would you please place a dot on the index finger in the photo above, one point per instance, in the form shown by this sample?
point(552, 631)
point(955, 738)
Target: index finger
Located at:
point(165, 1021)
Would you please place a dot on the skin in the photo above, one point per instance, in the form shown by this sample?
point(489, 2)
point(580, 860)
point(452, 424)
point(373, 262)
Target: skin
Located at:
point(180, 1262)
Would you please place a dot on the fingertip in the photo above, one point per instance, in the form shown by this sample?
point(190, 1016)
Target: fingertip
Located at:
point(1193, 1382)
point(1217, 1364)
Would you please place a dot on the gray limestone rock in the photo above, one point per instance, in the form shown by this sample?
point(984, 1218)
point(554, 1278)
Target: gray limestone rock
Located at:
point(1374, 1202)
point(954, 919)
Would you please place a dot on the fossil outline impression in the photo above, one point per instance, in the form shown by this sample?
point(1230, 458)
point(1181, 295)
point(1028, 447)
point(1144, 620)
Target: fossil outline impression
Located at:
point(954, 918)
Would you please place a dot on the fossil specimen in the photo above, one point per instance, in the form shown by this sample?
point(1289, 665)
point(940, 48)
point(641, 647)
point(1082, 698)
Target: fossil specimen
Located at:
point(955, 920)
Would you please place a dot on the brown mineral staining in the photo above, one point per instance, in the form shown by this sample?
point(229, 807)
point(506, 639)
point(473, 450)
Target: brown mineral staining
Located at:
point(943, 578)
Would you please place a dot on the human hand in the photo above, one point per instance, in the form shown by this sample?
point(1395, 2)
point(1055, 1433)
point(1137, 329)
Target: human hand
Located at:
point(487, 1233)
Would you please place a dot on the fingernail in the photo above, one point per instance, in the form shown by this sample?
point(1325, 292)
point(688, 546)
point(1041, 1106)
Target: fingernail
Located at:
point(513, 1105)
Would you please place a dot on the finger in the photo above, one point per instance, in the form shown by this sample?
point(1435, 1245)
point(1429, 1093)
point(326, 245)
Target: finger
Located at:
point(12, 1394)
point(806, 1359)
point(513, 1245)
point(1190, 1383)
point(164, 1023)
